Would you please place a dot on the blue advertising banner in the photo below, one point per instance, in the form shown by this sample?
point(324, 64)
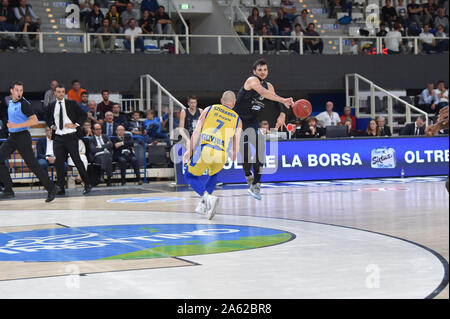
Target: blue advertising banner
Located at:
point(326, 159)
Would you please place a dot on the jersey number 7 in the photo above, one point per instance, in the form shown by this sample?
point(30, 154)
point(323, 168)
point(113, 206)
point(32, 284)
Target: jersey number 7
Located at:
point(219, 126)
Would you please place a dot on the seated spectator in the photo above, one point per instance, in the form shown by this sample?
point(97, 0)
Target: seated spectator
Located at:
point(83, 157)
point(87, 129)
point(255, 21)
point(86, 6)
point(442, 20)
point(149, 5)
point(121, 5)
point(385, 130)
point(430, 10)
point(119, 117)
point(346, 6)
point(328, 117)
point(388, 14)
point(415, 13)
point(165, 119)
point(30, 40)
point(128, 14)
point(428, 99)
point(402, 12)
point(153, 126)
point(312, 129)
point(7, 17)
point(84, 101)
point(303, 20)
point(264, 127)
point(350, 129)
point(133, 30)
point(442, 94)
point(393, 40)
point(105, 105)
point(427, 40)
point(441, 44)
point(372, 129)
point(95, 19)
point(163, 23)
point(300, 128)
point(44, 150)
point(417, 128)
point(146, 23)
point(136, 126)
point(109, 126)
point(382, 32)
point(75, 92)
point(269, 21)
point(294, 44)
point(124, 154)
point(284, 26)
point(109, 40)
point(289, 9)
point(312, 44)
point(22, 11)
point(49, 95)
point(93, 115)
point(114, 19)
point(269, 44)
point(355, 49)
point(100, 148)
point(348, 116)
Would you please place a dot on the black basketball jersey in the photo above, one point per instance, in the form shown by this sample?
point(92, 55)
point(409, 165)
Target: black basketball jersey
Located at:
point(190, 121)
point(249, 103)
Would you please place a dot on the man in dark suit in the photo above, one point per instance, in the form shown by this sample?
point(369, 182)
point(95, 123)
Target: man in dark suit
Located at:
point(417, 128)
point(123, 153)
point(66, 119)
point(109, 127)
point(101, 148)
point(385, 130)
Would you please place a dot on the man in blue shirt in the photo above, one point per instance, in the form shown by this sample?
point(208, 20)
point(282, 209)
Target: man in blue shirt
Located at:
point(428, 99)
point(20, 118)
point(153, 126)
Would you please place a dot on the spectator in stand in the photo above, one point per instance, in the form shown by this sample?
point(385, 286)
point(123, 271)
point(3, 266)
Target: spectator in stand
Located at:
point(442, 94)
point(153, 126)
point(7, 17)
point(133, 30)
point(348, 116)
point(44, 150)
point(388, 14)
point(119, 117)
point(109, 126)
point(84, 101)
point(382, 32)
point(136, 126)
point(105, 105)
point(289, 9)
point(299, 128)
point(124, 154)
point(416, 129)
point(49, 95)
point(255, 21)
point(427, 40)
point(149, 5)
point(313, 44)
point(345, 5)
point(75, 92)
point(428, 99)
point(328, 117)
point(114, 19)
point(95, 19)
point(312, 129)
point(294, 44)
point(355, 49)
point(350, 128)
point(442, 20)
point(87, 129)
point(93, 115)
point(402, 12)
point(128, 14)
point(269, 44)
point(121, 5)
point(101, 148)
point(30, 40)
point(22, 11)
point(109, 40)
point(284, 26)
point(430, 11)
point(415, 13)
point(146, 23)
point(441, 44)
point(393, 40)
point(303, 19)
point(385, 130)
point(163, 23)
point(264, 127)
point(269, 21)
point(86, 6)
point(372, 129)
point(165, 119)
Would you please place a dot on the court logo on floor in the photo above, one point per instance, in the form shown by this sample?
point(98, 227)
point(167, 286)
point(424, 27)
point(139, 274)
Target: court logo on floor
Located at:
point(129, 242)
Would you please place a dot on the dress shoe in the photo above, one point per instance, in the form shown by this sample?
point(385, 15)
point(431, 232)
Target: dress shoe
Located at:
point(6, 195)
point(51, 196)
point(87, 189)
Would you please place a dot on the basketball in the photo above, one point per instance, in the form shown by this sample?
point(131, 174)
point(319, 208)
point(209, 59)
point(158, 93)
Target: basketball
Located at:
point(302, 108)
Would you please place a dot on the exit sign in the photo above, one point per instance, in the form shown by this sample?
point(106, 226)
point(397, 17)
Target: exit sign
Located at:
point(184, 6)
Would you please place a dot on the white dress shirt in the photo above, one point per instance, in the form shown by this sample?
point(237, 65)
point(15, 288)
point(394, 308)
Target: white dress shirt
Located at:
point(49, 150)
point(328, 120)
point(66, 119)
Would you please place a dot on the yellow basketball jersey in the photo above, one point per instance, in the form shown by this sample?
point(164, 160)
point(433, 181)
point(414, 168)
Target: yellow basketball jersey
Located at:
point(219, 127)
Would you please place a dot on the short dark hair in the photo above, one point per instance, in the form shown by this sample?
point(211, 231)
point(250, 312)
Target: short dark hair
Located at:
point(75, 81)
point(84, 93)
point(422, 117)
point(59, 86)
point(14, 83)
point(103, 91)
point(192, 97)
point(259, 62)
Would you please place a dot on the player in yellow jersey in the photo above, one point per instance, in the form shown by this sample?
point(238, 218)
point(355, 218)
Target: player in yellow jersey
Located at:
point(217, 133)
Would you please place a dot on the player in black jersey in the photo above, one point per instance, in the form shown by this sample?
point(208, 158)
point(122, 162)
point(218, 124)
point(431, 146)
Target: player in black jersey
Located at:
point(250, 100)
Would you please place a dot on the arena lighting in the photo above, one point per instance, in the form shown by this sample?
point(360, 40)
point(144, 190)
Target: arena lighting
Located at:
point(184, 6)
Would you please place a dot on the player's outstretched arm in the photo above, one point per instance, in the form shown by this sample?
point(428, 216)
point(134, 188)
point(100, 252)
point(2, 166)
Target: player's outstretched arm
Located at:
point(253, 83)
point(236, 139)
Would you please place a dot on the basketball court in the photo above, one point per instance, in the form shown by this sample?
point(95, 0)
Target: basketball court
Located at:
point(366, 238)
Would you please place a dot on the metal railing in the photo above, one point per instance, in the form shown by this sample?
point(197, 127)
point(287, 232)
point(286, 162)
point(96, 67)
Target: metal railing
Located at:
point(373, 88)
point(339, 42)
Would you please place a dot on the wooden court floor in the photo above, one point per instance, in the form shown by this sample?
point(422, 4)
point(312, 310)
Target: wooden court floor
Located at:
point(413, 211)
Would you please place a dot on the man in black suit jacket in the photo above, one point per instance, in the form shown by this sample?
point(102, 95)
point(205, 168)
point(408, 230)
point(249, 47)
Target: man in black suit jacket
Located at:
point(101, 149)
point(109, 127)
point(417, 128)
point(66, 118)
point(385, 130)
point(123, 153)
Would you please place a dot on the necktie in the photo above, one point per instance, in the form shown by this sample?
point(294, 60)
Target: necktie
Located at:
point(109, 130)
point(61, 120)
point(417, 131)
